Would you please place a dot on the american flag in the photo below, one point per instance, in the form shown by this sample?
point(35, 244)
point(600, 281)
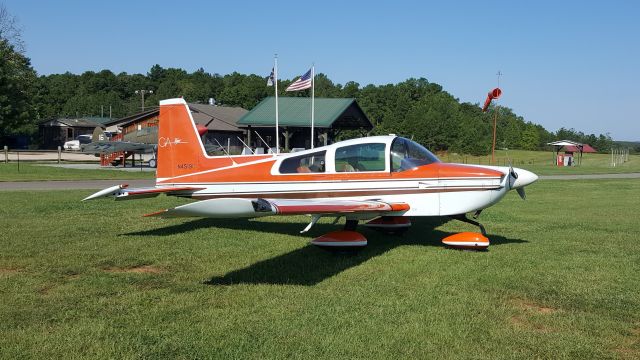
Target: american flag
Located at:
point(303, 82)
point(271, 78)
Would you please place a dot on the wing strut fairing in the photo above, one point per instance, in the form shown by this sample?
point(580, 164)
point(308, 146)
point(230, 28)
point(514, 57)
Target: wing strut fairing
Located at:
point(248, 208)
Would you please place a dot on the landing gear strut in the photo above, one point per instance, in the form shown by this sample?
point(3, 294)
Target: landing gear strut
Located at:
point(394, 225)
point(465, 219)
point(350, 225)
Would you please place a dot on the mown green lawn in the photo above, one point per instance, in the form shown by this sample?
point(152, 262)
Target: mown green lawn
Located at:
point(541, 162)
point(35, 172)
point(95, 280)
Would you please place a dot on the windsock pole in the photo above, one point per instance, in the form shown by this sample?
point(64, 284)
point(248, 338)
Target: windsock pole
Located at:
point(493, 95)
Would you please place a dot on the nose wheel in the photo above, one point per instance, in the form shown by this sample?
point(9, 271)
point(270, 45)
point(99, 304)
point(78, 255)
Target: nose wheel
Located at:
point(467, 240)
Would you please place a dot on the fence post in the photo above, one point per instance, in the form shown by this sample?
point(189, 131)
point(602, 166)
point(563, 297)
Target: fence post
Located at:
point(59, 154)
point(6, 154)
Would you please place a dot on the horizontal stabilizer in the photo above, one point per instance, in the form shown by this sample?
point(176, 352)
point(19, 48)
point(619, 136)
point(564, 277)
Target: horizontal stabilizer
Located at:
point(111, 191)
point(121, 192)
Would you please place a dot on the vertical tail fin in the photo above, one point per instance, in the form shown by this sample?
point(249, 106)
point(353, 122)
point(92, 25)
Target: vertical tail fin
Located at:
point(98, 135)
point(180, 149)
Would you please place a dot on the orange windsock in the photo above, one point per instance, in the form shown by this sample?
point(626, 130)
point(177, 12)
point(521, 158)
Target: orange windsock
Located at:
point(201, 129)
point(493, 94)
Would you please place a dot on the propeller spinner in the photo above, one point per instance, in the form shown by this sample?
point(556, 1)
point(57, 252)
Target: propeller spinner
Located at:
point(519, 178)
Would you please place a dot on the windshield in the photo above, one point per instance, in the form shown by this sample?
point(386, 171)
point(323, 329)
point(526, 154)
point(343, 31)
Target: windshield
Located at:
point(407, 154)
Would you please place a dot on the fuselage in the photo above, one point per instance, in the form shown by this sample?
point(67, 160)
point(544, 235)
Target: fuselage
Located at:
point(386, 168)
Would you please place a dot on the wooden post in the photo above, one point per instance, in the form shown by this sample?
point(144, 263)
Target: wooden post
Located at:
point(59, 154)
point(287, 136)
point(324, 137)
point(249, 135)
point(6, 154)
point(493, 144)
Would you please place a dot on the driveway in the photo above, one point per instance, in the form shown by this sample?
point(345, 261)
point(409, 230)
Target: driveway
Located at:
point(591, 176)
point(71, 184)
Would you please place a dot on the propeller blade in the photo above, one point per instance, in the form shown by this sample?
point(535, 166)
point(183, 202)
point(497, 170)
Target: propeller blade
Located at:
point(512, 176)
point(521, 192)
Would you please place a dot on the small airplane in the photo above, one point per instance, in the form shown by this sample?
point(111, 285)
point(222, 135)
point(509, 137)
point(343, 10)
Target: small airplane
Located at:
point(384, 180)
point(139, 142)
point(142, 141)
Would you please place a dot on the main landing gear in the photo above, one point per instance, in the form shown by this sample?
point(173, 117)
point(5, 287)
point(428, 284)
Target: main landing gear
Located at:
point(342, 240)
point(468, 240)
point(350, 240)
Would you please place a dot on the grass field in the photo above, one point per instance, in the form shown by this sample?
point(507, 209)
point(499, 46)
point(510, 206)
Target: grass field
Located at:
point(536, 161)
point(95, 280)
point(35, 172)
point(540, 162)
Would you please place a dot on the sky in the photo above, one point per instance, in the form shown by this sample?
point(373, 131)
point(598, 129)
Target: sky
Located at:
point(572, 64)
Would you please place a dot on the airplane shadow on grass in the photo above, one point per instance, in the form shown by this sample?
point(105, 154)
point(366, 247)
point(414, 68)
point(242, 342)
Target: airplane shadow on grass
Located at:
point(311, 265)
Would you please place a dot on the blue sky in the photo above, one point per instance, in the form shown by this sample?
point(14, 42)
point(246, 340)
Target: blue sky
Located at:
point(571, 63)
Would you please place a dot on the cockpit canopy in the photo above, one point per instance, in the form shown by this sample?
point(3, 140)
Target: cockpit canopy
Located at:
point(407, 154)
point(379, 154)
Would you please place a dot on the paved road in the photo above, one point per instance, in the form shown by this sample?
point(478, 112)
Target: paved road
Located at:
point(71, 185)
point(101, 184)
point(97, 166)
point(591, 176)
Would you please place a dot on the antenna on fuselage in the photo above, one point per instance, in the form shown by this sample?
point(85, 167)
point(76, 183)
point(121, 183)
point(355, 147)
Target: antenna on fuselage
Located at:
point(246, 146)
point(264, 142)
point(225, 151)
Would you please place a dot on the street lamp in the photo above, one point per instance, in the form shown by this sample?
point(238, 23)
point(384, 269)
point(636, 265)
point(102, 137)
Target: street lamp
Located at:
point(142, 92)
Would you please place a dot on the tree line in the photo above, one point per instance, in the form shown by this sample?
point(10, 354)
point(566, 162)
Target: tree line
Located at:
point(414, 108)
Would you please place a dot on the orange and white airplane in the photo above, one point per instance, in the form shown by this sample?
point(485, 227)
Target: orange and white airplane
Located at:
point(380, 179)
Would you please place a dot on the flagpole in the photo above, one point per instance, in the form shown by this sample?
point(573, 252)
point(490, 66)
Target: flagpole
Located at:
point(313, 88)
point(275, 74)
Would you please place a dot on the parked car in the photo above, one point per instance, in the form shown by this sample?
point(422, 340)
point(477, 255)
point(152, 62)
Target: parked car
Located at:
point(74, 145)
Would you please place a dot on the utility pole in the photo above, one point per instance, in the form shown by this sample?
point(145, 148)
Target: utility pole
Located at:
point(495, 124)
point(142, 92)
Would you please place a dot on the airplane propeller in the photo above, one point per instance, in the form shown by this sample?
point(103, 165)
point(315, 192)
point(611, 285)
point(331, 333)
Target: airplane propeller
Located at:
point(519, 185)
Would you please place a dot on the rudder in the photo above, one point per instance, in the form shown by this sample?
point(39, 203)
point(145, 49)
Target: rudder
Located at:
point(180, 149)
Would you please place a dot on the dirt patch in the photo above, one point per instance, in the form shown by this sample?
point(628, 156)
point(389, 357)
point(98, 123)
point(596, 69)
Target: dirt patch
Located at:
point(520, 321)
point(629, 347)
point(46, 289)
point(529, 310)
point(533, 307)
point(142, 269)
point(9, 271)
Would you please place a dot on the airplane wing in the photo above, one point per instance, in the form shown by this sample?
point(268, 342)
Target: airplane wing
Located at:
point(248, 208)
point(102, 147)
point(251, 208)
